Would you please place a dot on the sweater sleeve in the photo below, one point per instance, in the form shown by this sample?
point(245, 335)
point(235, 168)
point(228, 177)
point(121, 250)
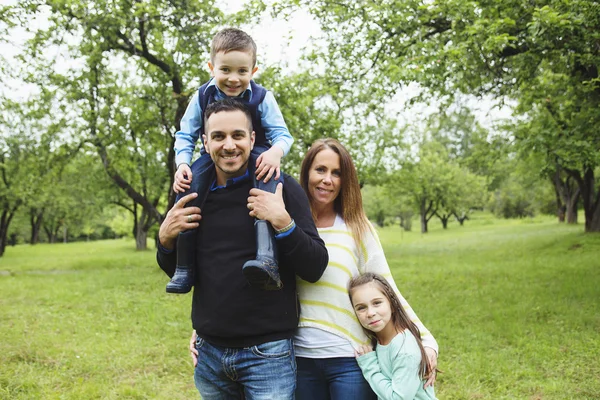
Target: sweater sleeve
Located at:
point(373, 260)
point(402, 385)
point(166, 260)
point(302, 250)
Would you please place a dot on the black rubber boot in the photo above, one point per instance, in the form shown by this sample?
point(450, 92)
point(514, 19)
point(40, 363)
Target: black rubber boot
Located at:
point(263, 272)
point(183, 280)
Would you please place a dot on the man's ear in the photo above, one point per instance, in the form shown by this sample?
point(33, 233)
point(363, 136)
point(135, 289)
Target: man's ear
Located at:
point(252, 139)
point(204, 143)
point(211, 67)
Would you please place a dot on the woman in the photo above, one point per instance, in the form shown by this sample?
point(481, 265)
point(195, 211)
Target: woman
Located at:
point(329, 332)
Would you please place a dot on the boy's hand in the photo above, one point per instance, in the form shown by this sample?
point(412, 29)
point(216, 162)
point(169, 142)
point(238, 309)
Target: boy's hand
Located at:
point(183, 178)
point(267, 164)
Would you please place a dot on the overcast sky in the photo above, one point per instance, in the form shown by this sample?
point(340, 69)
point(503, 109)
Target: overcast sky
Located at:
point(279, 42)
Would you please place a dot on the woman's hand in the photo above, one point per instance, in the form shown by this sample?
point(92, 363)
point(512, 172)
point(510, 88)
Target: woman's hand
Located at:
point(432, 360)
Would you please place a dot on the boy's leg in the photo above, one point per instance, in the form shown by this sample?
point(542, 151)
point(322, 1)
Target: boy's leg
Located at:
point(183, 279)
point(263, 272)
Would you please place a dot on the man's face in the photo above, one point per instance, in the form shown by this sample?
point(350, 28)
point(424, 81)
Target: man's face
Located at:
point(232, 71)
point(228, 140)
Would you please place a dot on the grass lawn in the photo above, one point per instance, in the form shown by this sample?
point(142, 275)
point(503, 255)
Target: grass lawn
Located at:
point(513, 304)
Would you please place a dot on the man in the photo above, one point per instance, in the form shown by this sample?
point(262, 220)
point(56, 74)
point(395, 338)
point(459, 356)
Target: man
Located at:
point(244, 333)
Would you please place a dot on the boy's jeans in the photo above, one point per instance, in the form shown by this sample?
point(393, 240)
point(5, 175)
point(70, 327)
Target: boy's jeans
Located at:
point(262, 372)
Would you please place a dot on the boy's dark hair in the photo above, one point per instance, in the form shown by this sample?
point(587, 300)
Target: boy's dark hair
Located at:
point(232, 39)
point(228, 105)
point(400, 318)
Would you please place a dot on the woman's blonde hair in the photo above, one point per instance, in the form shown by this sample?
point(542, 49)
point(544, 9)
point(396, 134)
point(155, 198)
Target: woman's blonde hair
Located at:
point(348, 203)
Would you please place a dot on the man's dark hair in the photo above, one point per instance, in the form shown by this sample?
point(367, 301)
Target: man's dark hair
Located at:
point(228, 105)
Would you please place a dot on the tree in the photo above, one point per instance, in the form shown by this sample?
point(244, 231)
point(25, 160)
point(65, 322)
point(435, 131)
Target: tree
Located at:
point(544, 57)
point(149, 49)
point(378, 203)
point(427, 180)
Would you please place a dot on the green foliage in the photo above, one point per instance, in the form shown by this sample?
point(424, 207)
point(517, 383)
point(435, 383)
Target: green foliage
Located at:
point(380, 203)
point(543, 56)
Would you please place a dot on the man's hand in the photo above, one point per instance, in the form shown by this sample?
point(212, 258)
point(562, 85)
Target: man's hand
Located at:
point(193, 350)
point(269, 206)
point(268, 163)
point(432, 360)
point(183, 178)
point(362, 350)
point(178, 219)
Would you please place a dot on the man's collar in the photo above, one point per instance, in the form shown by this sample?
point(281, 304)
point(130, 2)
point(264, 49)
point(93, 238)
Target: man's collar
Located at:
point(231, 181)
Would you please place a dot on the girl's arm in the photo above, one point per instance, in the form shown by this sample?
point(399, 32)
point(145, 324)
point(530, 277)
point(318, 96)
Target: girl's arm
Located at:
point(373, 260)
point(402, 385)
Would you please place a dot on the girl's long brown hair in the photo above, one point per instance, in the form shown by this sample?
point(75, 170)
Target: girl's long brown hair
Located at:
point(400, 318)
point(348, 204)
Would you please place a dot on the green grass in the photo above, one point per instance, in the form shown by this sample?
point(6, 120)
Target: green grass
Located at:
point(513, 304)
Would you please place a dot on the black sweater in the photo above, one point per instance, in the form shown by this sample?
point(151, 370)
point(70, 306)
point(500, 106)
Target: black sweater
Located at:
point(226, 310)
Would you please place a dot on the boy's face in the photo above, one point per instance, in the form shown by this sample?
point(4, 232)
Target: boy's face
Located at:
point(232, 71)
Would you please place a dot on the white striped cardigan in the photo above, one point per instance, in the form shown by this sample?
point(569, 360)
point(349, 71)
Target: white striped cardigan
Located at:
point(325, 304)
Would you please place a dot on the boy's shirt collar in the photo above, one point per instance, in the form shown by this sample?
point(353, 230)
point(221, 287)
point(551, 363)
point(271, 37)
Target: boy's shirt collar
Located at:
point(231, 181)
point(247, 94)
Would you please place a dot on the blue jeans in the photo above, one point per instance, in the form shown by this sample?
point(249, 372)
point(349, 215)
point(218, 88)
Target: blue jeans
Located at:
point(266, 371)
point(331, 378)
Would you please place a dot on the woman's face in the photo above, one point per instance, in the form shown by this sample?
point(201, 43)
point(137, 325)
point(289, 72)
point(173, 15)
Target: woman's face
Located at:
point(324, 178)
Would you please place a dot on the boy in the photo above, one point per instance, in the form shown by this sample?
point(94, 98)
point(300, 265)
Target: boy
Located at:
point(232, 66)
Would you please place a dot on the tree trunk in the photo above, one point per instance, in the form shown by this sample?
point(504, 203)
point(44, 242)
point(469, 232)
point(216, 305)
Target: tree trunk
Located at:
point(461, 218)
point(591, 198)
point(35, 220)
point(141, 240)
point(444, 218)
point(423, 214)
point(561, 211)
point(571, 210)
point(65, 235)
point(5, 219)
point(560, 207)
point(3, 231)
point(143, 225)
point(567, 195)
point(427, 211)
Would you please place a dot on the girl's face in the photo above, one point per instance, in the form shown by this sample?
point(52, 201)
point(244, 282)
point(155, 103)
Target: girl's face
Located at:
point(373, 310)
point(324, 178)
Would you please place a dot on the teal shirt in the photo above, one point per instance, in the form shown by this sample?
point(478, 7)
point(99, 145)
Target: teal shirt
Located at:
point(393, 370)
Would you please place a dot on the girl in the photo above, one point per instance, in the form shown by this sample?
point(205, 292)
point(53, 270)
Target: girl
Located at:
point(397, 369)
